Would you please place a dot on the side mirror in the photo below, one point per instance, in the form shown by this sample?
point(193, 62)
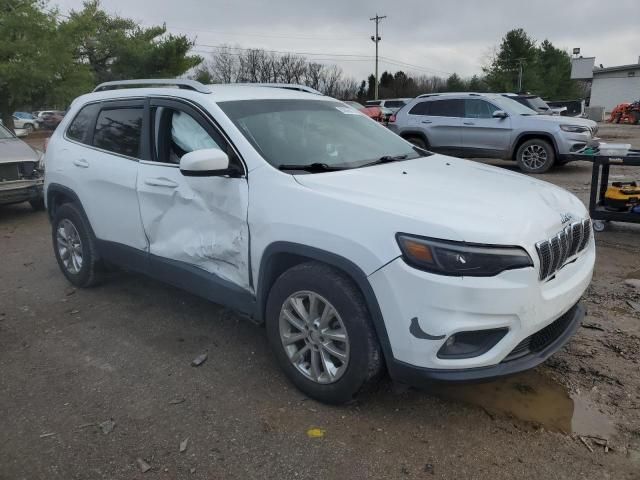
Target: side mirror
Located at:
point(210, 162)
point(500, 114)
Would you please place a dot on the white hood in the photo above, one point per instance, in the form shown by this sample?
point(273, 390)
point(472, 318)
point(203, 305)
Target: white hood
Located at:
point(482, 204)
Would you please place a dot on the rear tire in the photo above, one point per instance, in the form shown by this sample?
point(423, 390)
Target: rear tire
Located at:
point(299, 333)
point(75, 248)
point(536, 156)
point(418, 142)
point(635, 118)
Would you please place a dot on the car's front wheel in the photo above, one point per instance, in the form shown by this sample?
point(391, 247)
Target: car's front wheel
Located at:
point(29, 128)
point(75, 248)
point(320, 331)
point(535, 156)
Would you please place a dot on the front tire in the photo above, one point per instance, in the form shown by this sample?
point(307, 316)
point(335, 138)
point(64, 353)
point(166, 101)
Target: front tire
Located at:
point(320, 331)
point(75, 248)
point(536, 156)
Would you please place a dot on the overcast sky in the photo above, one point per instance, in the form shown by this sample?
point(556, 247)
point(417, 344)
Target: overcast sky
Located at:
point(435, 37)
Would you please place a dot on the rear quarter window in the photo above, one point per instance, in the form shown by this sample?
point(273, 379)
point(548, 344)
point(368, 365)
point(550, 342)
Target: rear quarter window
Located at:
point(82, 124)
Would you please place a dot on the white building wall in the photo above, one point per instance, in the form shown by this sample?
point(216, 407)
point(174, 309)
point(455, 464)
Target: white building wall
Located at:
point(611, 88)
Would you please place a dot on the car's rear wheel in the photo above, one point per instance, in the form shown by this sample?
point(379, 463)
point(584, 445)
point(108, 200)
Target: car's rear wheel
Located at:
point(75, 248)
point(535, 156)
point(635, 118)
point(321, 334)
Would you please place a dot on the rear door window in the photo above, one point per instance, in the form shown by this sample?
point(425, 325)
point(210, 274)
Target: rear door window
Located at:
point(118, 130)
point(446, 108)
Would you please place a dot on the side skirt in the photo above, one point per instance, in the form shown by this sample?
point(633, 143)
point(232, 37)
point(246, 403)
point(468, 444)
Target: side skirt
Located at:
point(181, 275)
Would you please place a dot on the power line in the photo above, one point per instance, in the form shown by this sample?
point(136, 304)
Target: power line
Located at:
point(324, 54)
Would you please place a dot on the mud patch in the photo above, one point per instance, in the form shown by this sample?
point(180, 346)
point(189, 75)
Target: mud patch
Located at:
point(533, 397)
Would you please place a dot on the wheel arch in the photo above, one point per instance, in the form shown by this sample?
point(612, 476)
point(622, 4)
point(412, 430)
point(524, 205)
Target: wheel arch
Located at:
point(57, 195)
point(526, 136)
point(278, 257)
point(414, 133)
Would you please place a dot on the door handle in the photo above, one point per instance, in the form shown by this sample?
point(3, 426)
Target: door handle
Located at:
point(81, 162)
point(427, 121)
point(468, 123)
point(160, 182)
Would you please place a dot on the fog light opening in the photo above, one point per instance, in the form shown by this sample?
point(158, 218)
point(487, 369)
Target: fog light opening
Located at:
point(471, 344)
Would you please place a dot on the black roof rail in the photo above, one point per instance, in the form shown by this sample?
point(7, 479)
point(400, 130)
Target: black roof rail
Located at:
point(153, 82)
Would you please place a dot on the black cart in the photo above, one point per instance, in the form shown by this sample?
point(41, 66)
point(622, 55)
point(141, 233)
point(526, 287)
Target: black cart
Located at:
point(599, 184)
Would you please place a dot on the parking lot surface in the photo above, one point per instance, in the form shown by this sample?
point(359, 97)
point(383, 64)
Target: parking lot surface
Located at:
point(98, 384)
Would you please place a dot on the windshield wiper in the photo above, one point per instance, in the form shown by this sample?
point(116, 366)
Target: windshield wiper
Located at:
point(385, 159)
point(312, 167)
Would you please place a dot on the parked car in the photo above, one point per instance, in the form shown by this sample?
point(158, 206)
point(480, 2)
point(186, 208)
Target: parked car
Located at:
point(21, 172)
point(393, 104)
point(374, 113)
point(492, 126)
point(358, 251)
point(25, 121)
point(49, 119)
point(535, 103)
point(570, 108)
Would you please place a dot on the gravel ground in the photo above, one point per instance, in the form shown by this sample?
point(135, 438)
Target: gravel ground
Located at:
point(97, 384)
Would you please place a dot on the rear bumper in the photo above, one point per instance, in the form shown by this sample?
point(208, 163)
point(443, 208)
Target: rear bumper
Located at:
point(417, 376)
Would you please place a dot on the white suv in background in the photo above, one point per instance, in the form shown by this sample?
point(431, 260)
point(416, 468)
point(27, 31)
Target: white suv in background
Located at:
point(359, 251)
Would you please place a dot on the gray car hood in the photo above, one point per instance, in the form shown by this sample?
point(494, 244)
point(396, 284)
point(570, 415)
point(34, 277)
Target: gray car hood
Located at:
point(14, 150)
point(563, 120)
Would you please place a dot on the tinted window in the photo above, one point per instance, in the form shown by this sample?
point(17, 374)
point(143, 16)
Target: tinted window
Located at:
point(475, 108)
point(373, 103)
point(83, 122)
point(421, 108)
point(118, 131)
point(178, 133)
point(446, 108)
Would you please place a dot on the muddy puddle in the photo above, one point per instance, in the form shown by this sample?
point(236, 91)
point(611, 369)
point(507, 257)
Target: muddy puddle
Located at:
point(534, 398)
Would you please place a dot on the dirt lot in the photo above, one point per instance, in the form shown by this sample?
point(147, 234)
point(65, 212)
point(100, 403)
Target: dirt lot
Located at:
point(93, 380)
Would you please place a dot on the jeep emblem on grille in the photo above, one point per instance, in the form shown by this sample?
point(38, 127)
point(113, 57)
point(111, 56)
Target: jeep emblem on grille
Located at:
point(565, 218)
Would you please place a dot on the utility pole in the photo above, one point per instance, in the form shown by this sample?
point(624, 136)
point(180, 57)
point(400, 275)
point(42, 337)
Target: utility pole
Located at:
point(376, 39)
point(520, 72)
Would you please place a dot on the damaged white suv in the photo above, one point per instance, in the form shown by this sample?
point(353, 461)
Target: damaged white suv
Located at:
point(359, 251)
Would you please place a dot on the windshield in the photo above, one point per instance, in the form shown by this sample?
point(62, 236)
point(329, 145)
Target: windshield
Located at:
point(305, 132)
point(5, 133)
point(512, 106)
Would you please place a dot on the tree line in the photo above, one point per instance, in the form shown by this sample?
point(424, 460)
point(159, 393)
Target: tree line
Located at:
point(47, 59)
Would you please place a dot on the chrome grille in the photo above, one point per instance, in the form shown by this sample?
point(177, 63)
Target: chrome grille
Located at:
point(555, 252)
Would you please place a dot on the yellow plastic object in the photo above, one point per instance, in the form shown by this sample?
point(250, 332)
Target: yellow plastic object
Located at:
point(622, 195)
point(315, 433)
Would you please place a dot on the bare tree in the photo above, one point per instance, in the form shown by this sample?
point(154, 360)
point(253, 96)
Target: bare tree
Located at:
point(224, 65)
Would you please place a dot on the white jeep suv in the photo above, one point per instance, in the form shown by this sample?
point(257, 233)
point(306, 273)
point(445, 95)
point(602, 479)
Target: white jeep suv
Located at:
point(359, 251)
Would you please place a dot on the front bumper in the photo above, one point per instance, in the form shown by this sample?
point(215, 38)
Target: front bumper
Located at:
point(442, 306)
point(416, 376)
point(20, 191)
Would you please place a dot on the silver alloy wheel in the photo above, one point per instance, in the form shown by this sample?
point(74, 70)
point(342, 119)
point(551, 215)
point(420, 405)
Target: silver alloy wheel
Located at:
point(314, 337)
point(69, 246)
point(534, 157)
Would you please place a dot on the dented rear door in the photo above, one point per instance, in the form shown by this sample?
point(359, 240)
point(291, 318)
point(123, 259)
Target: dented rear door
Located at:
point(198, 221)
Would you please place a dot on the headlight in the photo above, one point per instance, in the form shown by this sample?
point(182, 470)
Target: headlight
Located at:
point(575, 128)
point(460, 259)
